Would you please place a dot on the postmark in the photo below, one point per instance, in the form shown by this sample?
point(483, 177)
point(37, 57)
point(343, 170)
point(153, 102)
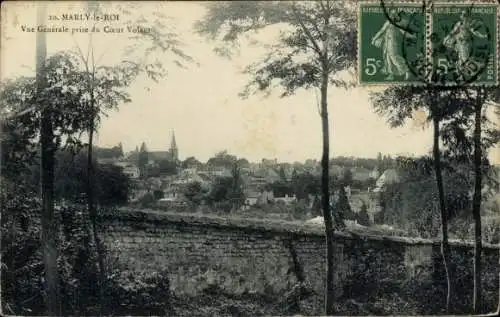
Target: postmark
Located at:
point(464, 44)
point(383, 57)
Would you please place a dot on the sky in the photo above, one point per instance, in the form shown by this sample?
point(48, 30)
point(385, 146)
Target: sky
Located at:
point(201, 103)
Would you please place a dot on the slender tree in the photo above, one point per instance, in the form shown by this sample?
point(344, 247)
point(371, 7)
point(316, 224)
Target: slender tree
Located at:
point(436, 154)
point(68, 119)
point(49, 223)
point(473, 134)
point(105, 88)
point(476, 200)
point(363, 217)
point(483, 137)
point(120, 149)
point(317, 43)
point(236, 194)
point(142, 159)
point(399, 104)
point(452, 113)
point(282, 174)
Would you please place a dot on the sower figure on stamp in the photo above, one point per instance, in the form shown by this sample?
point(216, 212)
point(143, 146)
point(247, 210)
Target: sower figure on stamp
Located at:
point(390, 38)
point(460, 38)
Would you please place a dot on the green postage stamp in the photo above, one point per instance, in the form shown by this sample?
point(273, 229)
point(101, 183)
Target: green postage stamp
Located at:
point(418, 43)
point(464, 48)
point(392, 43)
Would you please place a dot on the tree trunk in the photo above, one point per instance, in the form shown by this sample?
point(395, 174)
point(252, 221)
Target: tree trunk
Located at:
point(476, 206)
point(445, 248)
point(325, 162)
point(93, 217)
point(49, 224)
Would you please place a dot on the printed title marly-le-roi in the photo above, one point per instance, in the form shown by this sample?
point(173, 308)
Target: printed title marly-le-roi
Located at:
point(85, 17)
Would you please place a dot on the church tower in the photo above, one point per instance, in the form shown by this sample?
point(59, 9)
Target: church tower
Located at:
point(174, 151)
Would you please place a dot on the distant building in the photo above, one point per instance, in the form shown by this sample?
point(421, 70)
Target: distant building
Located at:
point(219, 171)
point(336, 170)
point(108, 155)
point(171, 155)
point(287, 199)
point(390, 176)
point(360, 174)
point(251, 199)
point(131, 171)
point(269, 175)
point(375, 174)
point(269, 163)
point(266, 196)
point(173, 151)
point(257, 198)
point(311, 163)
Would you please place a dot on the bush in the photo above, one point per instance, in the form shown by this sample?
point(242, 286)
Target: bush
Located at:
point(78, 261)
point(21, 265)
point(22, 271)
point(147, 200)
point(158, 194)
point(139, 294)
point(363, 218)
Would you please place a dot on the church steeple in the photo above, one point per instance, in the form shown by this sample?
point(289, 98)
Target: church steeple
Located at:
point(174, 151)
point(173, 144)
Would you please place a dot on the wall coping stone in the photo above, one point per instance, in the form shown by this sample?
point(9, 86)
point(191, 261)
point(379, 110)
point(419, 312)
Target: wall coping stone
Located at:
point(280, 227)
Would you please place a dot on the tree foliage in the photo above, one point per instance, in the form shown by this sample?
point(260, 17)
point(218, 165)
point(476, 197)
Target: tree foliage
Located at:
point(190, 162)
point(363, 217)
point(222, 159)
point(293, 62)
point(343, 207)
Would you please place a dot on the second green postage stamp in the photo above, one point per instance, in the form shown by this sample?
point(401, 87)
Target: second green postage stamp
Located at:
point(464, 43)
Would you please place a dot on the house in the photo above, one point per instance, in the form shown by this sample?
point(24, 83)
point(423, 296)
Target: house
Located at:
point(266, 196)
point(375, 174)
point(154, 182)
point(255, 183)
point(358, 199)
point(269, 162)
point(219, 171)
point(390, 176)
point(136, 194)
point(360, 174)
point(107, 160)
point(287, 199)
point(311, 163)
point(172, 202)
point(108, 155)
point(254, 197)
point(189, 171)
point(269, 175)
point(131, 171)
point(155, 156)
point(336, 170)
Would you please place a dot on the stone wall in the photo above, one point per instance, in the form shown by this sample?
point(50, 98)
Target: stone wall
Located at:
point(255, 259)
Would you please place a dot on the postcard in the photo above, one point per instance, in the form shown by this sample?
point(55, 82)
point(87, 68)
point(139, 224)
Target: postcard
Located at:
point(250, 158)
